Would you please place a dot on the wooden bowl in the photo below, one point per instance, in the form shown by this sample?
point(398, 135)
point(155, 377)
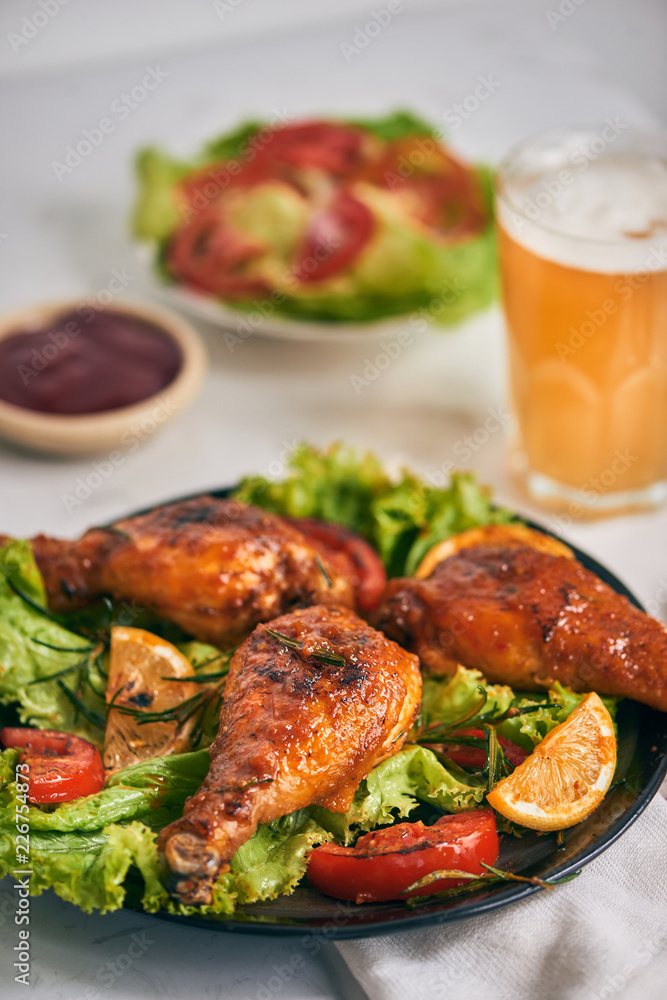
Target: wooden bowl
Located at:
point(110, 430)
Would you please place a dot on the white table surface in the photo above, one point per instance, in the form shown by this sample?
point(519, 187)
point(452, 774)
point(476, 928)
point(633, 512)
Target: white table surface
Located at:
point(66, 238)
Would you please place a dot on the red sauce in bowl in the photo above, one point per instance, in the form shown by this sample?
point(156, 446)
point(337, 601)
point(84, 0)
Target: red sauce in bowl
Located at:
point(87, 361)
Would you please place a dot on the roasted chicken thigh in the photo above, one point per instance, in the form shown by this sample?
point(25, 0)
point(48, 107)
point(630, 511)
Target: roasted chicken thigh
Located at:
point(527, 618)
point(215, 567)
point(313, 701)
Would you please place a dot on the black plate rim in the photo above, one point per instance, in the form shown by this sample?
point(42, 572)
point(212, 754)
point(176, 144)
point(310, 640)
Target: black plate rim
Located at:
point(414, 920)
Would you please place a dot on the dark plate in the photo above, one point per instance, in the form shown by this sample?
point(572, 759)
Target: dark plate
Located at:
point(642, 765)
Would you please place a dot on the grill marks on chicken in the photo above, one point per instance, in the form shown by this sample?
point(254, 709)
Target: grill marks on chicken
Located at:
point(297, 728)
point(215, 567)
point(527, 618)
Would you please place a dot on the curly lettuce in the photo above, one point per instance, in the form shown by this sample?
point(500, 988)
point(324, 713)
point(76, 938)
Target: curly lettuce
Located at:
point(400, 518)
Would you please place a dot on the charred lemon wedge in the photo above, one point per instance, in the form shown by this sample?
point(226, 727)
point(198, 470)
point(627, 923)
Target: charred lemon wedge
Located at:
point(146, 674)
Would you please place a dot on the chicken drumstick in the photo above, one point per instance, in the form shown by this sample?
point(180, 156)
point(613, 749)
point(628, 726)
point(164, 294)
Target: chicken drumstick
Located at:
point(215, 567)
point(304, 719)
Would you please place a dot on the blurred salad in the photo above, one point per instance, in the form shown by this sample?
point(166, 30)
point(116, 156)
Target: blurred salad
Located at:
point(328, 220)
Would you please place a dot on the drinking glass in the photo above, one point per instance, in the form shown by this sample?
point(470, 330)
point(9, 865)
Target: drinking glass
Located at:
point(582, 228)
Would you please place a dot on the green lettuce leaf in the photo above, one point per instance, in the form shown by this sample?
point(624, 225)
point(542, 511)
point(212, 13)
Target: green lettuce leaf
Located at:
point(27, 632)
point(446, 699)
point(402, 520)
point(85, 849)
point(394, 788)
point(270, 864)
point(530, 729)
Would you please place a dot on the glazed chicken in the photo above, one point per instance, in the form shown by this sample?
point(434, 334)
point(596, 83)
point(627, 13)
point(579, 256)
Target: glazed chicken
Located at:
point(310, 707)
point(215, 567)
point(527, 618)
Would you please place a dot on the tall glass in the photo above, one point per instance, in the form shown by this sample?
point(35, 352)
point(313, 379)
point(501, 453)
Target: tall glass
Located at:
point(582, 226)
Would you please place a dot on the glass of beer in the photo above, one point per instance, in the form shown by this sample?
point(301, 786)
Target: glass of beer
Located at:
point(582, 226)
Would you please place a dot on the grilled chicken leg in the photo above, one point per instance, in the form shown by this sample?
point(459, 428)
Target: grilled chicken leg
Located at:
point(527, 618)
point(215, 567)
point(299, 726)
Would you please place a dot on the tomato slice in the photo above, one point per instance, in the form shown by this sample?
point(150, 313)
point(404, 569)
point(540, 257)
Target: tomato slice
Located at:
point(212, 256)
point(475, 757)
point(61, 767)
point(334, 239)
point(350, 556)
point(281, 153)
point(328, 146)
point(435, 186)
point(384, 863)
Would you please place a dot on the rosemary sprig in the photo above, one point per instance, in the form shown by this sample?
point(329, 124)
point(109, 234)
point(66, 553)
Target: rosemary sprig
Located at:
point(476, 882)
point(198, 679)
point(89, 714)
point(497, 766)
point(323, 655)
point(65, 649)
point(59, 673)
point(175, 713)
point(32, 603)
point(322, 568)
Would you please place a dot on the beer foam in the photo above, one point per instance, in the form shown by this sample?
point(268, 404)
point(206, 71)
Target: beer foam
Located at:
point(608, 215)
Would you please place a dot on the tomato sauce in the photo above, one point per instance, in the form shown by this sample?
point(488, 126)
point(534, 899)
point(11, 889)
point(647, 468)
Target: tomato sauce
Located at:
point(87, 361)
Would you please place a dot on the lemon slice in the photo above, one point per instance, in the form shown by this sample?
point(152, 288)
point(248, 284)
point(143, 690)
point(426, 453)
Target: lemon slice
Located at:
point(567, 775)
point(510, 535)
point(138, 665)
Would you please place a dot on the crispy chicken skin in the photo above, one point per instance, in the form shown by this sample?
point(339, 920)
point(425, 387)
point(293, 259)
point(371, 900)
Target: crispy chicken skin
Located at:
point(215, 567)
point(527, 618)
point(294, 731)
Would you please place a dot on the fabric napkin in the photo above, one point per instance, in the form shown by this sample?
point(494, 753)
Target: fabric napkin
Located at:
point(601, 936)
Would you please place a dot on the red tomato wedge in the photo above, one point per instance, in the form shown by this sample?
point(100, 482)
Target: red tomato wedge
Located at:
point(334, 239)
point(328, 146)
point(436, 188)
point(350, 555)
point(61, 767)
point(277, 154)
point(475, 757)
point(384, 863)
point(210, 255)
